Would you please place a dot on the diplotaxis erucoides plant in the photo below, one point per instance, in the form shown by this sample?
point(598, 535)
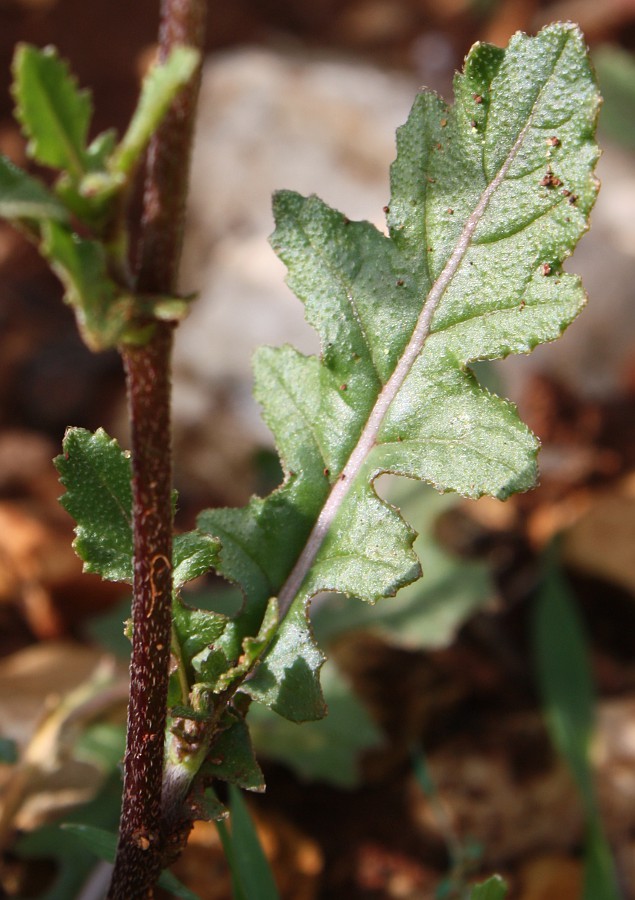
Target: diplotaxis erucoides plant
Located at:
point(488, 198)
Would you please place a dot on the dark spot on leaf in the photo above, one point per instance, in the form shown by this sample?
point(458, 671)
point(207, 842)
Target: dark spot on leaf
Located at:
point(473, 124)
point(573, 199)
point(326, 472)
point(553, 141)
point(550, 180)
point(444, 122)
point(343, 387)
point(450, 211)
point(386, 209)
point(546, 268)
point(477, 98)
point(400, 282)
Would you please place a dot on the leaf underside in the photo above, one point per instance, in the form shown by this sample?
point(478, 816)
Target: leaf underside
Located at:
point(489, 197)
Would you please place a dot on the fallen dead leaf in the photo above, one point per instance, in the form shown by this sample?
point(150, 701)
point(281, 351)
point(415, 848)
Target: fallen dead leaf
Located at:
point(601, 543)
point(48, 694)
point(551, 877)
point(295, 859)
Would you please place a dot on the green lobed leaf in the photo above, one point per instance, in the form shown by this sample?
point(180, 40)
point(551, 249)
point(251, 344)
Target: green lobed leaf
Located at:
point(207, 807)
point(194, 554)
point(329, 750)
point(161, 84)
point(231, 757)
point(103, 313)
point(23, 197)
point(488, 199)
point(199, 634)
point(96, 474)
point(428, 613)
point(54, 113)
point(100, 150)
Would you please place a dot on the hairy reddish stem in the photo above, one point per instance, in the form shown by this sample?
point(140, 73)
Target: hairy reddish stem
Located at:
point(143, 839)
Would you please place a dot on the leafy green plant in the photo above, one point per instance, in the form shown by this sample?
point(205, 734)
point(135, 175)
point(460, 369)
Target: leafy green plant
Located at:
point(489, 197)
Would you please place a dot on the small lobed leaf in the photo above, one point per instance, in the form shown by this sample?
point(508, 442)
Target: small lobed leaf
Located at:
point(428, 613)
point(194, 554)
point(161, 84)
point(100, 150)
point(54, 113)
point(489, 197)
point(96, 474)
point(104, 315)
point(23, 197)
point(199, 634)
point(329, 750)
point(231, 757)
point(253, 647)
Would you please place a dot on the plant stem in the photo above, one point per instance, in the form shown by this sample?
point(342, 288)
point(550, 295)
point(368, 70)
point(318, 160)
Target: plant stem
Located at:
point(142, 837)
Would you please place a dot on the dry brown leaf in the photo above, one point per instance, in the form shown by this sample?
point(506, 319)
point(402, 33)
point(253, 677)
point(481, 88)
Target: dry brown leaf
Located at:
point(295, 859)
point(602, 542)
point(551, 877)
point(48, 693)
point(500, 788)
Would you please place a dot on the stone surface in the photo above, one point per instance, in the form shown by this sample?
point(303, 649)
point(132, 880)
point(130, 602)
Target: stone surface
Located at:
point(267, 122)
point(325, 126)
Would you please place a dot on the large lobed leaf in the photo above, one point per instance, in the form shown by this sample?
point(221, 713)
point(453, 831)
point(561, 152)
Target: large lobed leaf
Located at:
point(488, 199)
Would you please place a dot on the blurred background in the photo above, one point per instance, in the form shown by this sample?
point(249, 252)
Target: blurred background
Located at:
point(438, 762)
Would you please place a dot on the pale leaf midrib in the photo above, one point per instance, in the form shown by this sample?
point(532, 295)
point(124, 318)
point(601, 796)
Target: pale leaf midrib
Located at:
point(367, 439)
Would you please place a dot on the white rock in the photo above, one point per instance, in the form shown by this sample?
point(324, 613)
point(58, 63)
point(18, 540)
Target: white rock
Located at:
point(327, 127)
point(268, 122)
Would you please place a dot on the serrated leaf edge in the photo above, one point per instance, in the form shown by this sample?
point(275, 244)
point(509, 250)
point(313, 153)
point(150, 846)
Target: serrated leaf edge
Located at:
point(421, 332)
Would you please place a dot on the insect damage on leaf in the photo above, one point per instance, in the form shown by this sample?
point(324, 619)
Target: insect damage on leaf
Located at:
point(480, 222)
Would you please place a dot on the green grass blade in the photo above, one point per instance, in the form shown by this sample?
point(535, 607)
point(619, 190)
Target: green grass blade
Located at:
point(249, 863)
point(566, 684)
